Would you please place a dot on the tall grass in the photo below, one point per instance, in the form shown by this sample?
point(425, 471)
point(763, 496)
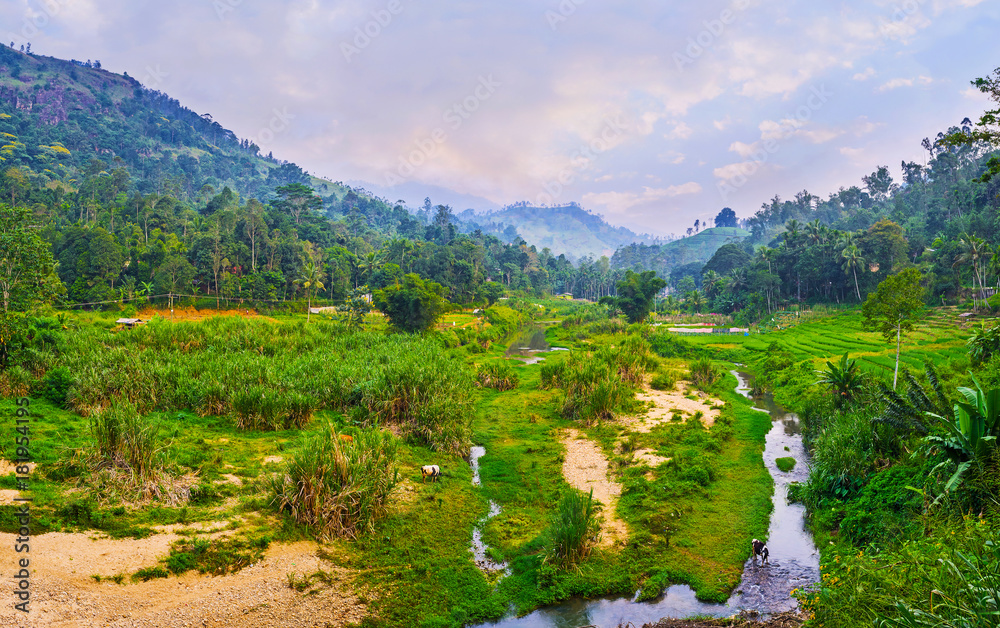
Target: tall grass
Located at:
point(703, 373)
point(340, 489)
point(123, 440)
point(603, 383)
point(269, 376)
point(574, 530)
point(497, 375)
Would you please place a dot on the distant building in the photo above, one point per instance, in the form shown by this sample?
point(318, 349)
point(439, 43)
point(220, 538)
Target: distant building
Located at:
point(129, 323)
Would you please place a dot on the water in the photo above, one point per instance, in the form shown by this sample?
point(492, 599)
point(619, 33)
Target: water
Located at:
point(479, 548)
point(528, 343)
point(794, 560)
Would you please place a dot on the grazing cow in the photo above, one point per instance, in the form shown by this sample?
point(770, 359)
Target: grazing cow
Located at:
point(758, 548)
point(347, 438)
point(431, 470)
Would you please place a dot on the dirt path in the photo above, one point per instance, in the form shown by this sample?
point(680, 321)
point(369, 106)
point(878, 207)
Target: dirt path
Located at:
point(781, 620)
point(664, 403)
point(586, 468)
point(65, 595)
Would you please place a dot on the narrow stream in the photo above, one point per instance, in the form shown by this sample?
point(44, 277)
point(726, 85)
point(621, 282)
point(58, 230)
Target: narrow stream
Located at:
point(794, 560)
point(479, 548)
point(528, 343)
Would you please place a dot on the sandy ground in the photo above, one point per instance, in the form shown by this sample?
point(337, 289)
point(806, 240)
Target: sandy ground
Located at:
point(586, 468)
point(663, 403)
point(65, 595)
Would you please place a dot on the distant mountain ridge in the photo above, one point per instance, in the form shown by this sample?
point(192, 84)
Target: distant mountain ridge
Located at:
point(566, 229)
point(663, 258)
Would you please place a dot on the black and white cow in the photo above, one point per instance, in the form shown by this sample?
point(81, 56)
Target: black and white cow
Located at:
point(758, 548)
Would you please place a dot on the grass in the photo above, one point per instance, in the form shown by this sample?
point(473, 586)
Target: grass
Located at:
point(785, 464)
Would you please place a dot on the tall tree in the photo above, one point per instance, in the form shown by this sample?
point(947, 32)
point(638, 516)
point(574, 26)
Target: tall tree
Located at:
point(27, 269)
point(852, 261)
point(893, 308)
point(636, 293)
point(296, 198)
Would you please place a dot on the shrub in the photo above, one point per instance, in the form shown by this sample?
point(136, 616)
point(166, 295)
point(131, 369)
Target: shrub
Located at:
point(552, 374)
point(55, 385)
point(704, 373)
point(664, 380)
point(497, 375)
point(123, 440)
point(574, 530)
point(340, 489)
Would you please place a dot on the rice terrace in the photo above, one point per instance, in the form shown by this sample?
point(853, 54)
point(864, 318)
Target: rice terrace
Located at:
point(238, 393)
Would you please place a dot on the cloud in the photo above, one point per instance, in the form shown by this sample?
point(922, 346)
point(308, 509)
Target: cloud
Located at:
point(681, 131)
point(622, 202)
point(723, 123)
point(896, 83)
point(864, 76)
point(672, 157)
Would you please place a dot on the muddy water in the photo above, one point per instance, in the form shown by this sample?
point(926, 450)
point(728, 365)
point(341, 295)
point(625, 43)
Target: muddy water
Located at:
point(794, 560)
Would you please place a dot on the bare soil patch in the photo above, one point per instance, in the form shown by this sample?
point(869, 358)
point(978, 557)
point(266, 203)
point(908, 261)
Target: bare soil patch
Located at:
point(585, 467)
point(64, 594)
point(663, 404)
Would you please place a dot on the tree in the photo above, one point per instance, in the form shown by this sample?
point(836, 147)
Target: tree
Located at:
point(729, 256)
point(27, 269)
point(726, 218)
point(296, 198)
point(987, 129)
point(853, 260)
point(311, 280)
point(843, 379)
point(413, 305)
point(636, 293)
point(893, 308)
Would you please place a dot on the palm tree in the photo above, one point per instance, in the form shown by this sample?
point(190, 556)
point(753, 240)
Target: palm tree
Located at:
point(973, 250)
point(852, 260)
point(710, 282)
point(843, 379)
point(311, 280)
point(792, 231)
point(814, 231)
point(694, 300)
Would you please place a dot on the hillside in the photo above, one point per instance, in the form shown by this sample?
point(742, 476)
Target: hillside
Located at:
point(57, 116)
point(567, 229)
point(664, 258)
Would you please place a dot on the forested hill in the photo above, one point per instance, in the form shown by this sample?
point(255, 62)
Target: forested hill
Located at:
point(567, 229)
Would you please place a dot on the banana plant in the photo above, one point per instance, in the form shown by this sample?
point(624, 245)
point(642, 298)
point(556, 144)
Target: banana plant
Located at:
point(972, 435)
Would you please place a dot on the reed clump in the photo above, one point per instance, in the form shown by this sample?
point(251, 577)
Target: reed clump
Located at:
point(497, 375)
point(273, 376)
point(339, 488)
point(574, 530)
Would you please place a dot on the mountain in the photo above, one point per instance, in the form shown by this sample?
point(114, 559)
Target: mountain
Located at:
point(665, 258)
point(567, 229)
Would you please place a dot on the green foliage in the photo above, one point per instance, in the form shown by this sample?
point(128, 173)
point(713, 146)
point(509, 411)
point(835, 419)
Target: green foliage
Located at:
point(636, 293)
point(497, 375)
point(893, 307)
point(664, 380)
point(843, 379)
point(574, 530)
point(123, 440)
point(216, 556)
point(413, 305)
point(887, 509)
point(340, 489)
point(785, 464)
point(983, 343)
point(703, 373)
point(56, 384)
point(600, 384)
point(149, 573)
point(971, 438)
point(27, 269)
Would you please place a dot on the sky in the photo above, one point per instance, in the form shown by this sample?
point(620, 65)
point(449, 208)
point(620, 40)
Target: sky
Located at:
point(653, 114)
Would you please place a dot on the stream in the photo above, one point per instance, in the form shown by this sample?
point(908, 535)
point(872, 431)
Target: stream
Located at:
point(794, 560)
point(528, 343)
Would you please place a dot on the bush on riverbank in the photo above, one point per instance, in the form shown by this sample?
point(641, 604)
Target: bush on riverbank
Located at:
point(339, 488)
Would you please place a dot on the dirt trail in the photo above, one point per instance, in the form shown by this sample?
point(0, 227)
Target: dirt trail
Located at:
point(586, 468)
point(65, 595)
point(663, 403)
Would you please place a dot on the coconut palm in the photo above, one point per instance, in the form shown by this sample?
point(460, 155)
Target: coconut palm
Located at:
point(852, 261)
point(311, 280)
point(973, 251)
